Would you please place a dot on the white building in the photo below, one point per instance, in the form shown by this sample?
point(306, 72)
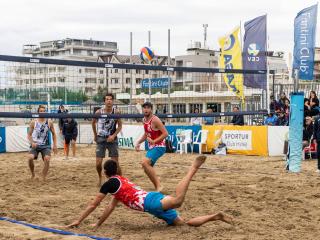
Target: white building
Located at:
point(54, 77)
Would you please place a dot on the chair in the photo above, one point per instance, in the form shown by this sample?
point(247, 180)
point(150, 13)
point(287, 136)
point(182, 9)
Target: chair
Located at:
point(201, 139)
point(312, 148)
point(184, 139)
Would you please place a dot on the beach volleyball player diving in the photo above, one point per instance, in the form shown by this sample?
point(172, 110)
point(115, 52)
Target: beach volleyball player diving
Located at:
point(154, 203)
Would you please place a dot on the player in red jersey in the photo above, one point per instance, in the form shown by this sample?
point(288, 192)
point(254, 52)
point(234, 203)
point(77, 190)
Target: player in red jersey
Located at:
point(155, 203)
point(155, 133)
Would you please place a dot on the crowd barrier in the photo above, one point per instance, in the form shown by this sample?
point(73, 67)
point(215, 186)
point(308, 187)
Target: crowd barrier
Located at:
point(245, 140)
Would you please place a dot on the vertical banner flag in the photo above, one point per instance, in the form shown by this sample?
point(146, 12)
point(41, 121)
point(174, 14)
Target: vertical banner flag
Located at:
point(254, 52)
point(304, 42)
point(230, 58)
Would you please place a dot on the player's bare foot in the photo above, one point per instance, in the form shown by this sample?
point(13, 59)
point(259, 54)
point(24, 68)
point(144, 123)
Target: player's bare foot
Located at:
point(199, 161)
point(32, 176)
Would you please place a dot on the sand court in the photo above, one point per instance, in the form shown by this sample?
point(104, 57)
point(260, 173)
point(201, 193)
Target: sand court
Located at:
point(264, 200)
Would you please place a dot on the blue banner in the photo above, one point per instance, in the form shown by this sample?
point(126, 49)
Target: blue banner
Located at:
point(155, 82)
point(254, 52)
point(304, 42)
point(2, 139)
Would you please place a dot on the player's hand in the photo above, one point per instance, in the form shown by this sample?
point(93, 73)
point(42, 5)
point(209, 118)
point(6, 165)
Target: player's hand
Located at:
point(74, 224)
point(152, 142)
point(315, 141)
point(137, 147)
point(55, 149)
point(34, 145)
point(111, 138)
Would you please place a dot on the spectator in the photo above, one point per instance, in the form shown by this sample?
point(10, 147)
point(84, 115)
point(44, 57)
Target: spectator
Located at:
point(61, 120)
point(271, 120)
point(274, 105)
point(282, 120)
point(314, 103)
point(307, 108)
point(282, 100)
point(209, 120)
point(286, 109)
point(316, 138)
point(307, 131)
point(237, 119)
point(196, 120)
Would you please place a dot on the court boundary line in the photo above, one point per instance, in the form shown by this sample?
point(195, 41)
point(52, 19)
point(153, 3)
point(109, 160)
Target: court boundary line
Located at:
point(51, 230)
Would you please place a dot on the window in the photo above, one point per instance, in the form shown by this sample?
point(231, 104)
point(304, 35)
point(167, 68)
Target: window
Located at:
point(61, 79)
point(90, 80)
point(147, 71)
point(101, 80)
point(196, 105)
point(138, 71)
point(101, 71)
point(91, 70)
point(114, 80)
point(79, 70)
point(116, 71)
point(179, 108)
point(127, 70)
point(127, 80)
point(138, 80)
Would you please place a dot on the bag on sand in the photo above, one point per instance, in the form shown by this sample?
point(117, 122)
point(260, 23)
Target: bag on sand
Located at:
point(220, 150)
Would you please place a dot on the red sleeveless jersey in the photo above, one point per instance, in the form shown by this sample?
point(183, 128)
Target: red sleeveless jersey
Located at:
point(153, 134)
point(130, 195)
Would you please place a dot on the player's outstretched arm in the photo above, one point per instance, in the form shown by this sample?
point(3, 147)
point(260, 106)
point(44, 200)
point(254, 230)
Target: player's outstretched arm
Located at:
point(106, 213)
point(90, 208)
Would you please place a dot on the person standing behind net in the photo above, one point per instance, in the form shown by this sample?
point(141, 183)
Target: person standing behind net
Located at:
point(155, 133)
point(105, 134)
point(237, 119)
point(70, 133)
point(61, 120)
point(62, 110)
point(196, 120)
point(38, 136)
point(209, 120)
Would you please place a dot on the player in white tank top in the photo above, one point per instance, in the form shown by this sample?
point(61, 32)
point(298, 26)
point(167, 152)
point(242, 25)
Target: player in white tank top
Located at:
point(38, 136)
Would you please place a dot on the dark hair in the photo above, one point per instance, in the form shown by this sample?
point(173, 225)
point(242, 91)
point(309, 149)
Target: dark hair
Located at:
point(236, 107)
point(110, 168)
point(315, 95)
point(41, 106)
point(195, 109)
point(147, 104)
point(108, 95)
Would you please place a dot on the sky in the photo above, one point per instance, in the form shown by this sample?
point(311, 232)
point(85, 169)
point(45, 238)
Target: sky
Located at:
point(33, 21)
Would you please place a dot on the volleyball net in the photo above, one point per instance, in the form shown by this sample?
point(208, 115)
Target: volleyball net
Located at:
point(176, 92)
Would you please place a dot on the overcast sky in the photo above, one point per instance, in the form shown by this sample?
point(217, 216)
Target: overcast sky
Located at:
point(32, 21)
